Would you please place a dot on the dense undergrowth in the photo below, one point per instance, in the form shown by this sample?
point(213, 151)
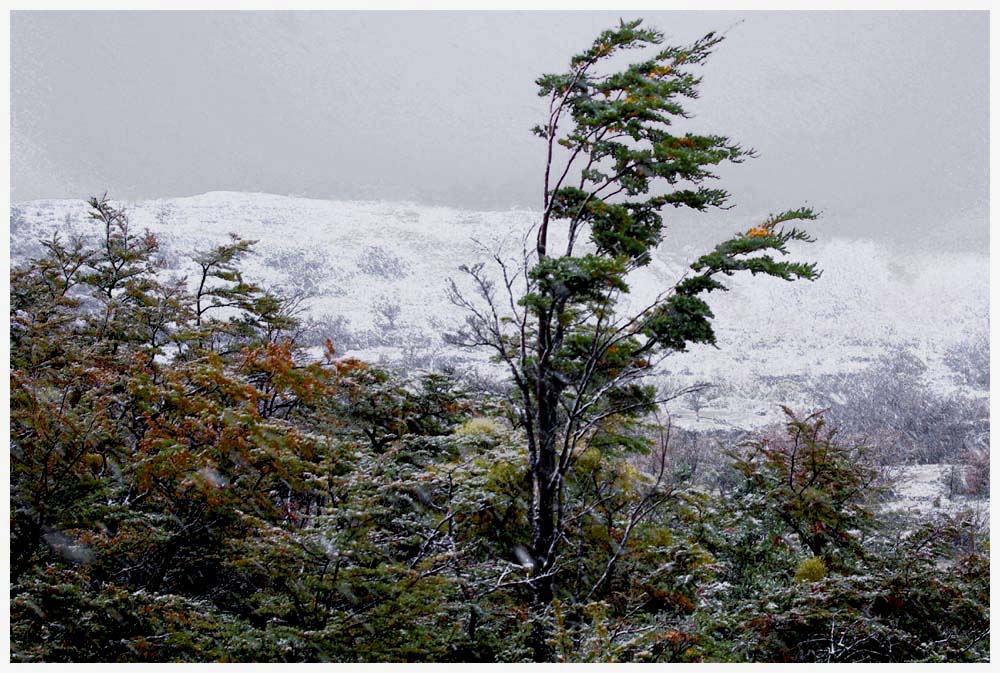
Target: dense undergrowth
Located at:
point(187, 486)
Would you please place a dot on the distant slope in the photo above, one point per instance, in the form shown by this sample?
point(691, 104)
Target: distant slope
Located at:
point(350, 257)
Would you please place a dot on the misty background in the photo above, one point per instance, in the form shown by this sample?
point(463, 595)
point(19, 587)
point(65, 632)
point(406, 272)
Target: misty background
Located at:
point(878, 119)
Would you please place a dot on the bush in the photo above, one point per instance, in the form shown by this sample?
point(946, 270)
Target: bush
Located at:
point(970, 361)
point(812, 569)
point(377, 261)
point(890, 407)
point(480, 427)
point(821, 490)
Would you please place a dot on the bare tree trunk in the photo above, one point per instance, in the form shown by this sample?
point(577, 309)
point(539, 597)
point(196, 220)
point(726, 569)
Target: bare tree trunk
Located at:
point(545, 479)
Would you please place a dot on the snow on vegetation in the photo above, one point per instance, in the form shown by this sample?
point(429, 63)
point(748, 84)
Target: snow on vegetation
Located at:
point(372, 276)
point(933, 488)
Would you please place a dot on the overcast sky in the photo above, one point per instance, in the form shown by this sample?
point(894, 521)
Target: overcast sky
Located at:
point(880, 120)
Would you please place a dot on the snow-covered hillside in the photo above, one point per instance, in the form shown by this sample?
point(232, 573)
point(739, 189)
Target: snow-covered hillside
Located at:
point(375, 275)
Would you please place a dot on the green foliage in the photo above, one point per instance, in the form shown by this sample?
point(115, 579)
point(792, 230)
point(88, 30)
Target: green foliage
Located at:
point(821, 491)
point(196, 475)
point(811, 569)
point(480, 426)
point(928, 607)
point(187, 484)
point(613, 162)
point(201, 492)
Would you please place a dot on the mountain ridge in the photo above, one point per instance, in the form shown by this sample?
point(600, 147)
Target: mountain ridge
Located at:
point(356, 263)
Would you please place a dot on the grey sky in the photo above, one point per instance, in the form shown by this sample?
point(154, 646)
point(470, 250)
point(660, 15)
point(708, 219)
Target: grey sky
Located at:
point(878, 119)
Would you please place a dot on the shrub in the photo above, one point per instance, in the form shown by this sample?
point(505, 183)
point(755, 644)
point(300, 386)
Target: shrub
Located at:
point(970, 361)
point(480, 427)
point(377, 261)
point(890, 407)
point(812, 569)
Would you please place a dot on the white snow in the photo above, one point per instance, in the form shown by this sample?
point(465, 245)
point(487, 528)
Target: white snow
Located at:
point(867, 302)
point(924, 489)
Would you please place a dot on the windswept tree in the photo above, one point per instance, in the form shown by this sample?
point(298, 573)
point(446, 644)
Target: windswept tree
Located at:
point(577, 354)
